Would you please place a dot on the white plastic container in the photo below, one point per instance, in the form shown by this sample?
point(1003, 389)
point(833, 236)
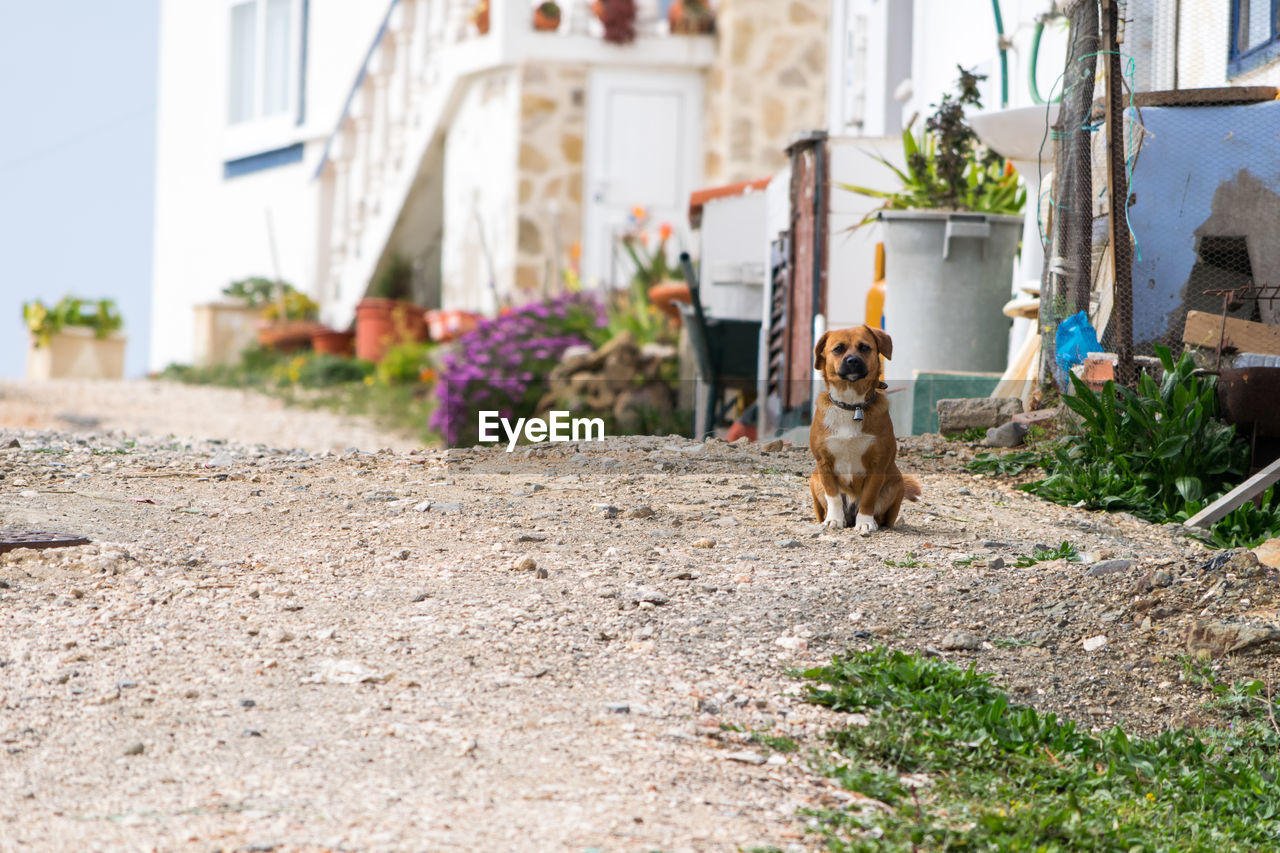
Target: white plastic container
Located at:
point(947, 279)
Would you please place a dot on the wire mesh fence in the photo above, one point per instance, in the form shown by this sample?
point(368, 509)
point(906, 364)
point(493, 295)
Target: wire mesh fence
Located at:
point(1162, 217)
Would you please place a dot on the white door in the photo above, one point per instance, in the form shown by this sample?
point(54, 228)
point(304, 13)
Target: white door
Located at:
point(644, 149)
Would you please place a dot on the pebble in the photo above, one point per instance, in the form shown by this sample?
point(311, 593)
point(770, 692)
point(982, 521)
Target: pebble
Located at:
point(996, 563)
point(642, 511)
point(526, 564)
point(647, 594)
point(1092, 644)
point(136, 749)
point(789, 543)
point(961, 641)
point(1109, 567)
point(531, 537)
point(618, 708)
point(746, 756)
point(446, 507)
point(704, 543)
point(605, 510)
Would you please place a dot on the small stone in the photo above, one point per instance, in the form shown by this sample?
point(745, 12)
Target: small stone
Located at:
point(1109, 567)
point(526, 564)
point(795, 644)
point(1268, 553)
point(247, 703)
point(641, 511)
point(221, 459)
point(773, 446)
point(420, 595)
point(963, 492)
point(1161, 578)
point(704, 543)
point(605, 510)
point(13, 443)
point(446, 508)
point(996, 563)
point(251, 733)
point(402, 554)
point(647, 594)
point(136, 749)
point(618, 708)
point(789, 543)
point(531, 537)
point(1092, 644)
point(746, 757)
point(961, 641)
point(1009, 435)
point(540, 574)
point(1214, 639)
point(422, 507)
point(1239, 561)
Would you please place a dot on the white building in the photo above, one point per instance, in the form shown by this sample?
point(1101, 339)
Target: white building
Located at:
point(316, 139)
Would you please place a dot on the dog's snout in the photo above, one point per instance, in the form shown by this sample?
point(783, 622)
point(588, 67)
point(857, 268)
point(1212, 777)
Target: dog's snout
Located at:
point(852, 360)
point(852, 367)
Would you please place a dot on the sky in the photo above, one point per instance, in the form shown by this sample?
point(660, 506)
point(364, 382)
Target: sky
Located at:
point(77, 162)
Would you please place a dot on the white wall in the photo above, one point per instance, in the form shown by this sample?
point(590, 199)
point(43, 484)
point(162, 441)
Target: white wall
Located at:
point(210, 230)
point(481, 152)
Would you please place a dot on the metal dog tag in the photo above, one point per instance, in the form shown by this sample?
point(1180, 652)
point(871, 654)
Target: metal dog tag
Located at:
point(857, 414)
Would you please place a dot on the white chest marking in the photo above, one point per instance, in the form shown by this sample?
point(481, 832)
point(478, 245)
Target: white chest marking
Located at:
point(846, 443)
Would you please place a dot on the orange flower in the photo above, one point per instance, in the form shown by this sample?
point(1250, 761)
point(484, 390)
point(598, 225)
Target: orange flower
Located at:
point(1008, 167)
point(575, 251)
point(639, 213)
point(664, 231)
point(427, 375)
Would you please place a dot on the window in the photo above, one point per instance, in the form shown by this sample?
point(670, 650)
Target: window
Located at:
point(1255, 35)
point(265, 49)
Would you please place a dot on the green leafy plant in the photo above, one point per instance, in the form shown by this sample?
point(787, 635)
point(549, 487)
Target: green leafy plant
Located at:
point(395, 281)
point(1007, 464)
point(550, 9)
point(406, 362)
point(969, 435)
point(43, 322)
point(946, 168)
point(1150, 451)
point(1065, 551)
point(987, 774)
point(264, 294)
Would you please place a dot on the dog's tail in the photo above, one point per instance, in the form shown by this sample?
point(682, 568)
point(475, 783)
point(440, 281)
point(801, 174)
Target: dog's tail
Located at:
point(911, 488)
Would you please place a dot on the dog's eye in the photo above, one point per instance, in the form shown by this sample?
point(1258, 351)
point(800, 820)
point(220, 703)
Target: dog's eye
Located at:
point(863, 348)
point(838, 348)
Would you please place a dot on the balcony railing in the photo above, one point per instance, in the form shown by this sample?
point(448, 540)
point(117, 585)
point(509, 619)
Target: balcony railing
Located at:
point(402, 93)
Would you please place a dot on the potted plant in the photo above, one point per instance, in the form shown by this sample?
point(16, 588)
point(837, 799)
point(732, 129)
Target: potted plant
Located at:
point(386, 316)
point(546, 16)
point(951, 234)
point(691, 17)
point(289, 317)
point(225, 327)
point(480, 16)
point(74, 339)
point(647, 308)
point(619, 19)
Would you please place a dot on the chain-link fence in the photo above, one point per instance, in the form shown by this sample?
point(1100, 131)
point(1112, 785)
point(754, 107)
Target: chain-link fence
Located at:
point(1162, 220)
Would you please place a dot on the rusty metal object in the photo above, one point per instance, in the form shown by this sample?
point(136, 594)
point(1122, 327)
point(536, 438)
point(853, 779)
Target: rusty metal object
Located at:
point(13, 539)
point(1248, 395)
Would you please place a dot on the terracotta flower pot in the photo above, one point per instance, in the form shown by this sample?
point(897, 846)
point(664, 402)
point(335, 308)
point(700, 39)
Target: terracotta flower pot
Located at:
point(666, 294)
point(481, 17)
point(545, 23)
point(333, 342)
point(288, 335)
point(697, 20)
point(444, 326)
point(382, 323)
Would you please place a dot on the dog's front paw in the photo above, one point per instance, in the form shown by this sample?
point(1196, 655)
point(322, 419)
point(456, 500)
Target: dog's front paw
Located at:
point(865, 524)
point(834, 520)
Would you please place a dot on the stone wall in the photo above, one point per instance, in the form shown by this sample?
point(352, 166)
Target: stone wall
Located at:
point(552, 127)
point(769, 82)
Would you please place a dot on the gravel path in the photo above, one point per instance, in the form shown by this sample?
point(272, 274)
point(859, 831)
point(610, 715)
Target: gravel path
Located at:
point(147, 407)
point(562, 648)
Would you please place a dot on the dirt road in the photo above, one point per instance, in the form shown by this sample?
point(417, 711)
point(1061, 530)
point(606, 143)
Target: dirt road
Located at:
point(568, 647)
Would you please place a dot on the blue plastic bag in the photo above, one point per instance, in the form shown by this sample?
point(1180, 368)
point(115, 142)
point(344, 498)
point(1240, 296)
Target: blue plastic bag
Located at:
point(1076, 339)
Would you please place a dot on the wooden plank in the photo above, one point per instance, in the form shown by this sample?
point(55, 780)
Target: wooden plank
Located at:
point(1246, 491)
point(1204, 330)
point(1202, 97)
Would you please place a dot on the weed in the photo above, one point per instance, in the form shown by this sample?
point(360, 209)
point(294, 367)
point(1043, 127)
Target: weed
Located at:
point(969, 435)
point(777, 743)
point(910, 562)
point(1011, 644)
point(1065, 551)
point(1005, 464)
point(989, 775)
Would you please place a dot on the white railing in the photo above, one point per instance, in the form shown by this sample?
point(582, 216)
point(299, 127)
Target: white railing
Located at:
point(404, 92)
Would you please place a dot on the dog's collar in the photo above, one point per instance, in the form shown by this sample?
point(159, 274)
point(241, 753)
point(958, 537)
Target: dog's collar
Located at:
point(856, 408)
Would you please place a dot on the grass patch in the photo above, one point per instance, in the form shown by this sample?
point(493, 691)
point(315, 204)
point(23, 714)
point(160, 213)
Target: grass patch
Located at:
point(1006, 464)
point(909, 562)
point(778, 743)
point(960, 768)
point(969, 436)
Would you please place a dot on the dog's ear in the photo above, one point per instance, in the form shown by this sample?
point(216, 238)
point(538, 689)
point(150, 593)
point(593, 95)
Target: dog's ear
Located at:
point(819, 358)
point(884, 343)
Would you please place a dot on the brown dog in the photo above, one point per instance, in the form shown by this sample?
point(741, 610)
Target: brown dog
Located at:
point(857, 483)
